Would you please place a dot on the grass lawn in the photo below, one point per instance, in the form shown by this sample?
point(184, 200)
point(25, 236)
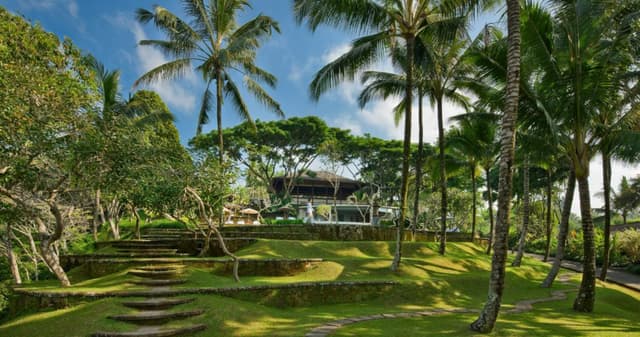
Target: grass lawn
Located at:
point(427, 281)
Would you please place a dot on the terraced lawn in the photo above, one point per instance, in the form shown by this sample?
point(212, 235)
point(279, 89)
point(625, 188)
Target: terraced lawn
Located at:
point(426, 281)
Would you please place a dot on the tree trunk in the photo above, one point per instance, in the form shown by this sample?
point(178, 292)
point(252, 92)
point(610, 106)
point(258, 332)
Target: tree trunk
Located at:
point(134, 210)
point(525, 216)
point(562, 231)
point(419, 157)
point(47, 244)
point(113, 218)
point(406, 154)
point(606, 179)
point(490, 204)
point(587, 293)
point(96, 216)
point(473, 198)
point(219, 102)
point(443, 180)
point(547, 247)
point(212, 229)
point(11, 256)
point(487, 318)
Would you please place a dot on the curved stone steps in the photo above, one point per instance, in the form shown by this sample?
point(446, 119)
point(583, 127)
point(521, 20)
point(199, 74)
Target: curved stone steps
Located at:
point(139, 254)
point(157, 303)
point(141, 244)
point(155, 274)
point(155, 317)
point(147, 250)
point(162, 267)
point(153, 332)
point(158, 282)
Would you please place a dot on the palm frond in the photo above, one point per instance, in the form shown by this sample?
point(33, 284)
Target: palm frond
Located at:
point(263, 97)
point(169, 70)
point(364, 51)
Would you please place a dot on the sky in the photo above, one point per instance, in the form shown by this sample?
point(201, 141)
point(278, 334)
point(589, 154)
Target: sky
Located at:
point(108, 30)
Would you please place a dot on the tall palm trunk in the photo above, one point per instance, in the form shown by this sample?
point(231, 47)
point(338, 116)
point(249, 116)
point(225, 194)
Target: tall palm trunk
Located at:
point(547, 247)
point(419, 158)
point(220, 138)
point(525, 216)
point(587, 293)
point(490, 204)
point(606, 179)
point(562, 231)
point(473, 201)
point(410, 40)
point(487, 319)
point(443, 180)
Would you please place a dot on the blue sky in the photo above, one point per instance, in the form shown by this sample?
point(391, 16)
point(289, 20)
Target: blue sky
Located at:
point(108, 30)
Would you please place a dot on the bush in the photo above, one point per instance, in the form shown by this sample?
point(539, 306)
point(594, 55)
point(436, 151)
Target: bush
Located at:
point(5, 292)
point(629, 243)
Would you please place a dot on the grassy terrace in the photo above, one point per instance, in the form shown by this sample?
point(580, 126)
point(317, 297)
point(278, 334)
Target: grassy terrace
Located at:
point(427, 281)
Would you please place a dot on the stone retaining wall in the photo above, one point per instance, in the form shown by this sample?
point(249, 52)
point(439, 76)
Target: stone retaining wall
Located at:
point(342, 233)
point(280, 295)
point(97, 267)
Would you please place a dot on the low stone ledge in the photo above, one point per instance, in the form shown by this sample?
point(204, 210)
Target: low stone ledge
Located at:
point(281, 295)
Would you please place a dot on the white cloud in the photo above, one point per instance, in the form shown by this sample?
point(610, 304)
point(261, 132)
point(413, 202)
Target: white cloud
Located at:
point(172, 92)
point(72, 7)
point(618, 169)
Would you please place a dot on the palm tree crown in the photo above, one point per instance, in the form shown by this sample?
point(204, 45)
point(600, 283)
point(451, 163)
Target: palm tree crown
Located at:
point(217, 46)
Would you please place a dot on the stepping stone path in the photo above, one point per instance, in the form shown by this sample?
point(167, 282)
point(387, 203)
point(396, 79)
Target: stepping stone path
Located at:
point(153, 311)
point(520, 307)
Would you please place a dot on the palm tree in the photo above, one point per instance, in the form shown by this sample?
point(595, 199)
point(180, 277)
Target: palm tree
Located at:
point(487, 318)
point(618, 132)
point(447, 65)
point(391, 23)
point(218, 47)
point(580, 53)
point(474, 141)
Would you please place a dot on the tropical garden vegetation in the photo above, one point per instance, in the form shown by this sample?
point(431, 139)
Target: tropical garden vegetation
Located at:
point(80, 164)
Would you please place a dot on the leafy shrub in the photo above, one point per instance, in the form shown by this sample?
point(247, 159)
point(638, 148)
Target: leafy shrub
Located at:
point(5, 292)
point(629, 243)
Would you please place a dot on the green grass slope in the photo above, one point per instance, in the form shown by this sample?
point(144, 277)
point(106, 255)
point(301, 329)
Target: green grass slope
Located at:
point(427, 281)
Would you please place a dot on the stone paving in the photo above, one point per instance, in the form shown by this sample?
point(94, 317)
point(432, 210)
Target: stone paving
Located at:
point(522, 306)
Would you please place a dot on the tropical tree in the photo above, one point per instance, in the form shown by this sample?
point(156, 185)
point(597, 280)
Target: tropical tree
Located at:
point(626, 199)
point(487, 318)
point(474, 141)
point(45, 90)
point(390, 23)
point(215, 44)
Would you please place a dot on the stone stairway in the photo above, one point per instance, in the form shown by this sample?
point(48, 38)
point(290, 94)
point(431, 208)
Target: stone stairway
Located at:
point(154, 311)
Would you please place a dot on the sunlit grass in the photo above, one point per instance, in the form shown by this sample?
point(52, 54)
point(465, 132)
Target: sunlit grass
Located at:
point(426, 281)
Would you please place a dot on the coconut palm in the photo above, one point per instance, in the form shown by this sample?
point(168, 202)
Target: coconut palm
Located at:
point(580, 54)
point(617, 130)
point(487, 318)
point(474, 141)
point(215, 44)
point(391, 23)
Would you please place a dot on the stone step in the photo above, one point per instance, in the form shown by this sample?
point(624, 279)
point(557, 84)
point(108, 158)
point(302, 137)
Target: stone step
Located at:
point(164, 238)
point(158, 282)
point(155, 274)
point(163, 267)
point(147, 250)
point(141, 244)
point(153, 332)
point(158, 303)
point(156, 316)
point(139, 254)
